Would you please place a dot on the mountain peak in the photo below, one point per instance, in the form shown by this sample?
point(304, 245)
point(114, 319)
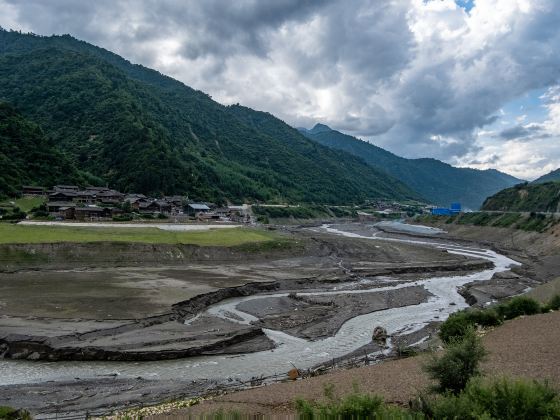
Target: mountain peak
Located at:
point(320, 128)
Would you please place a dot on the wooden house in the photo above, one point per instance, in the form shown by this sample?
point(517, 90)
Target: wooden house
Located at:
point(30, 191)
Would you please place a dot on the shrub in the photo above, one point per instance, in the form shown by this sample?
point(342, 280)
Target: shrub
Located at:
point(485, 317)
point(458, 364)
point(353, 406)
point(458, 323)
point(263, 219)
point(11, 413)
point(553, 304)
point(507, 220)
point(520, 305)
point(497, 399)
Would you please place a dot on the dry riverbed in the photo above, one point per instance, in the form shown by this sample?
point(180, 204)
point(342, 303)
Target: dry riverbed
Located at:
point(143, 313)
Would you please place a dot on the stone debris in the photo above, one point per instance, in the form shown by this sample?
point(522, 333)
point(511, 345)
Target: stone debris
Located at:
point(379, 335)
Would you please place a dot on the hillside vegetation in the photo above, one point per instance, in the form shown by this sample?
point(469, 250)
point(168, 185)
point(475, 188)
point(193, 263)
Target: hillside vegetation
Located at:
point(541, 197)
point(530, 222)
point(140, 131)
point(437, 181)
point(27, 156)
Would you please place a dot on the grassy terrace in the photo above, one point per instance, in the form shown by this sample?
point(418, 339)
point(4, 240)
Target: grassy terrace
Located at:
point(24, 234)
point(24, 203)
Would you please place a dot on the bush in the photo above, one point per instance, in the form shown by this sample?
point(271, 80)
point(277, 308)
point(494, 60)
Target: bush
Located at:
point(507, 220)
point(497, 399)
point(15, 215)
point(12, 413)
point(553, 304)
point(354, 406)
point(520, 305)
point(263, 219)
point(458, 364)
point(458, 323)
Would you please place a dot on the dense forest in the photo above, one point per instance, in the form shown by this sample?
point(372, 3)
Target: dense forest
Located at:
point(439, 182)
point(27, 156)
point(540, 197)
point(138, 130)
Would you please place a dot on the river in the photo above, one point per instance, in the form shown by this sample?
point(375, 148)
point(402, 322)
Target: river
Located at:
point(290, 350)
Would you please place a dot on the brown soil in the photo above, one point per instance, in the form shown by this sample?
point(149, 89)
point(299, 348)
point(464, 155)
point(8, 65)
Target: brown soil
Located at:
point(525, 347)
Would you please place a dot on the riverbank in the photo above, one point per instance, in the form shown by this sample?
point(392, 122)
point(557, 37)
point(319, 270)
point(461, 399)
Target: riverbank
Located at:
point(337, 273)
point(397, 381)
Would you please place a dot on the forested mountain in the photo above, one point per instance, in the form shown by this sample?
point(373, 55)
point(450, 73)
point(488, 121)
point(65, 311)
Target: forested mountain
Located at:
point(437, 181)
point(540, 197)
point(141, 131)
point(551, 176)
point(27, 156)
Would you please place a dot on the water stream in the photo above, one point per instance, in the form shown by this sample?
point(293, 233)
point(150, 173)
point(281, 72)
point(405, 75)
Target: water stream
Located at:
point(353, 334)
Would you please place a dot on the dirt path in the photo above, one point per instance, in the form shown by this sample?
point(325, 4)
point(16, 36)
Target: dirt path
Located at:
point(528, 347)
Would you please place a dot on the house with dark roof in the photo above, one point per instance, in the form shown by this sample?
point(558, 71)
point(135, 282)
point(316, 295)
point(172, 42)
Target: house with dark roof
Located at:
point(91, 213)
point(63, 195)
point(74, 188)
point(31, 191)
point(194, 209)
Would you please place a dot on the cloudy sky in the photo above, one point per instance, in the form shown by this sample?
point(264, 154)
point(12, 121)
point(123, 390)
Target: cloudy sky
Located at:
point(472, 82)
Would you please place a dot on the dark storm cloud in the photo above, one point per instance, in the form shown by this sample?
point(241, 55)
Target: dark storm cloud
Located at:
point(520, 132)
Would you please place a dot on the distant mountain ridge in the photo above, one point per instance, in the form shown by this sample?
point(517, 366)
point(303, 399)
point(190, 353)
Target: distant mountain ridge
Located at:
point(439, 182)
point(138, 130)
point(551, 176)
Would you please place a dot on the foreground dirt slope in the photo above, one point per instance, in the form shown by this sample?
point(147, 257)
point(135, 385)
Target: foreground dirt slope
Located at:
point(527, 347)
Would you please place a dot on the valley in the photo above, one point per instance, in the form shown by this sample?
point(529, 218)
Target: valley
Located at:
point(167, 252)
point(227, 322)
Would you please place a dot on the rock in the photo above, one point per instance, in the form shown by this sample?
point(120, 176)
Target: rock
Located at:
point(293, 374)
point(379, 335)
point(34, 356)
point(506, 275)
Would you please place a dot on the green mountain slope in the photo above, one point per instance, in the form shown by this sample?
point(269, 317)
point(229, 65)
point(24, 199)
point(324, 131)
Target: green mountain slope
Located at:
point(141, 131)
point(28, 157)
point(333, 162)
point(439, 182)
point(551, 176)
point(541, 197)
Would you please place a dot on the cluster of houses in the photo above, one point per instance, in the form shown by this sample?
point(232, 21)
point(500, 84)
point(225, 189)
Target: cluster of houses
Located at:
point(69, 202)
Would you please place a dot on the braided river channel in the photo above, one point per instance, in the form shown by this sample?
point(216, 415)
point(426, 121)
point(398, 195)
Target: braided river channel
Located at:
point(289, 350)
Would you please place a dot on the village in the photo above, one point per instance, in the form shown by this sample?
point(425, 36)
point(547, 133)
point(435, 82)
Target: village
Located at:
point(70, 202)
point(94, 204)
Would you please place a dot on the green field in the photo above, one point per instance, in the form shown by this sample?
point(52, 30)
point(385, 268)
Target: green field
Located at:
point(24, 203)
point(25, 234)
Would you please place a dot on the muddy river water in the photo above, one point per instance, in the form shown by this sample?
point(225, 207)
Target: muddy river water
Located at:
point(289, 350)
